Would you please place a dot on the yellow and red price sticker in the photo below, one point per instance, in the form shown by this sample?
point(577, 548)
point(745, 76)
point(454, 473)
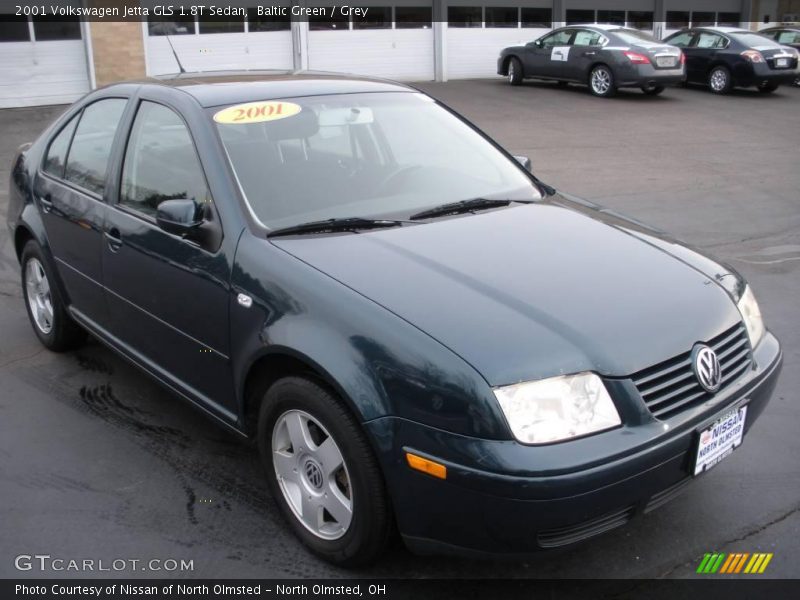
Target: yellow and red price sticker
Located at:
point(257, 112)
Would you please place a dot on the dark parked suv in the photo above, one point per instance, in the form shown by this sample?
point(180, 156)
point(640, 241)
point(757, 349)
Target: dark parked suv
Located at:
point(726, 57)
point(417, 331)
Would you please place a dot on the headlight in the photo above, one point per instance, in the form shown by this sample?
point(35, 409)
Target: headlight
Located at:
point(751, 315)
point(558, 408)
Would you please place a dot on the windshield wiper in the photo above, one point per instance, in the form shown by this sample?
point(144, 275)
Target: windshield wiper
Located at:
point(454, 208)
point(334, 225)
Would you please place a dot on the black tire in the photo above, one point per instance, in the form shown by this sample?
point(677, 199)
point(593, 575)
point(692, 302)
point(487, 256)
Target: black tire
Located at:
point(767, 88)
point(63, 333)
point(653, 91)
point(371, 525)
point(602, 82)
point(515, 73)
point(720, 80)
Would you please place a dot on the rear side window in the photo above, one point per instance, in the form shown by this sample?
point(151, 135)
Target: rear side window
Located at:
point(57, 153)
point(160, 162)
point(788, 37)
point(87, 160)
point(710, 40)
point(584, 37)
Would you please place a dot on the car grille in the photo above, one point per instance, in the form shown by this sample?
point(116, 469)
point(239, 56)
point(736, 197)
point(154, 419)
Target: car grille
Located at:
point(671, 386)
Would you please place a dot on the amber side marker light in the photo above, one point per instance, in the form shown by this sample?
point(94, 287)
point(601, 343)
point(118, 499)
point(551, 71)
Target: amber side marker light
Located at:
point(426, 466)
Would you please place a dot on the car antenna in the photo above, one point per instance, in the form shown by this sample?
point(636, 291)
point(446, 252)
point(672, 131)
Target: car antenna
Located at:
point(175, 54)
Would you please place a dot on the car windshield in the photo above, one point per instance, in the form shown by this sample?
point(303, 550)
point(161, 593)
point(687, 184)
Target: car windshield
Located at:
point(632, 36)
point(371, 155)
point(753, 40)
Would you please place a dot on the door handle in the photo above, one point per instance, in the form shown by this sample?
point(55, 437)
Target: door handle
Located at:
point(46, 202)
point(590, 53)
point(113, 239)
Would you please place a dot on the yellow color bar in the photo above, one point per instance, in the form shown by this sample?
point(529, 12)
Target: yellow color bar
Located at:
point(764, 564)
point(426, 466)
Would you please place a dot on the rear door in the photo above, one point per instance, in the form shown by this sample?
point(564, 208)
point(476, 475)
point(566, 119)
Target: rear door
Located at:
point(586, 45)
point(71, 190)
point(168, 295)
point(554, 48)
point(703, 51)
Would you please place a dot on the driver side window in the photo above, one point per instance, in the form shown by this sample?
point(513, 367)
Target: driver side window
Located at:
point(160, 162)
point(681, 40)
point(559, 38)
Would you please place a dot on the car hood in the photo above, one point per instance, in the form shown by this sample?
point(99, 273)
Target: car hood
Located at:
point(531, 291)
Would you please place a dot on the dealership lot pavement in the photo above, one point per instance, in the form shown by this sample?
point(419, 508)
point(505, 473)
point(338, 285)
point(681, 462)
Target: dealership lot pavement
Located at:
point(97, 461)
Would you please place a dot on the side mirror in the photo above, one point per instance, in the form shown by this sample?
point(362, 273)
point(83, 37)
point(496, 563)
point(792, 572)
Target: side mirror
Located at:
point(179, 216)
point(524, 161)
point(538, 43)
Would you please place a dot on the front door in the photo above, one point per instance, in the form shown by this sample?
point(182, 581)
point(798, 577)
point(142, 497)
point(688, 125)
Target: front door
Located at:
point(168, 294)
point(546, 57)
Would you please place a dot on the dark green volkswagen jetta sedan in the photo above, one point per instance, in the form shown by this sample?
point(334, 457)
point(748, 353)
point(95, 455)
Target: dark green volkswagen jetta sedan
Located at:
point(419, 333)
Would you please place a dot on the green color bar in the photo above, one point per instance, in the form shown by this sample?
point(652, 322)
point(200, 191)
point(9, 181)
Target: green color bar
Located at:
point(703, 563)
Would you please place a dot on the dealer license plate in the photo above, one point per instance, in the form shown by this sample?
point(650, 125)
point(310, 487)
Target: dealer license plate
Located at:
point(720, 439)
point(665, 61)
point(782, 62)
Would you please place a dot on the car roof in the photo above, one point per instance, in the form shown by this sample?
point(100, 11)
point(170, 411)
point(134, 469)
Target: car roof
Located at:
point(781, 28)
point(603, 26)
point(216, 88)
point(723, 29)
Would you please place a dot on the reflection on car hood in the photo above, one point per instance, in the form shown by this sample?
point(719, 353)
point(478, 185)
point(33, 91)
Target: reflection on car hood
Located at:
point(531, 291)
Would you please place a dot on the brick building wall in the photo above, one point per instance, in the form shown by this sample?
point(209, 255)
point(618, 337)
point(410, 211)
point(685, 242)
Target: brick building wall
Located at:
point(118, 51)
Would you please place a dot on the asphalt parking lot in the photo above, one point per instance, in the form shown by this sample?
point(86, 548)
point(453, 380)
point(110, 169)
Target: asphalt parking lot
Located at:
point(97, 461)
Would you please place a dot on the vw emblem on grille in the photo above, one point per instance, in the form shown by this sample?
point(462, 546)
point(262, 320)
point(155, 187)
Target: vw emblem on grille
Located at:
point(313, 474)
point(706, 367)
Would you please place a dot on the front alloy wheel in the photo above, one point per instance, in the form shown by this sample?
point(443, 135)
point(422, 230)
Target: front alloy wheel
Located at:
point(322, 471)
point(312, 474)
point(601, 81)
point(514, 71)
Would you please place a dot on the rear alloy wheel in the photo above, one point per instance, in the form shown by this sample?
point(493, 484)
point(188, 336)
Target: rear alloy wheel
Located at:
point(654, 90)
point(46, 311)
point(322, 472)
point(515, 72)
point(767, 88)
point(601, 82)
point(719, 80)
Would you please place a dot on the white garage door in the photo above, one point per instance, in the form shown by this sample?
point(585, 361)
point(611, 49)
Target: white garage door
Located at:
point(206, 44)
point(686, 13)
point(394, 40)
point(43, 62)
point(476, 34)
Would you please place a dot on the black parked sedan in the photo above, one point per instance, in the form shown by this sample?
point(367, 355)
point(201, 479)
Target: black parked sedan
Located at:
point(604, 57)
point(787, 36)
point(725, 57)
point(417, 332)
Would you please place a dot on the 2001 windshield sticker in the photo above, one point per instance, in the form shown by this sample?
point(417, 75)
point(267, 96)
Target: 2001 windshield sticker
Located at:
point(257, 112)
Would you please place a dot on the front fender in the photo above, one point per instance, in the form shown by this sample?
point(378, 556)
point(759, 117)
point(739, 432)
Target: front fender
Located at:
point(379, 363)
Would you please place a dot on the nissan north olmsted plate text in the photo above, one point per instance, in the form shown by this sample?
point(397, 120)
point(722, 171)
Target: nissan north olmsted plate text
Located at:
point(418, 332)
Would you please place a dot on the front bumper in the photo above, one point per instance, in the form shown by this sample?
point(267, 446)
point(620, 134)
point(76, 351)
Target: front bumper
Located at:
point(502, 497)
